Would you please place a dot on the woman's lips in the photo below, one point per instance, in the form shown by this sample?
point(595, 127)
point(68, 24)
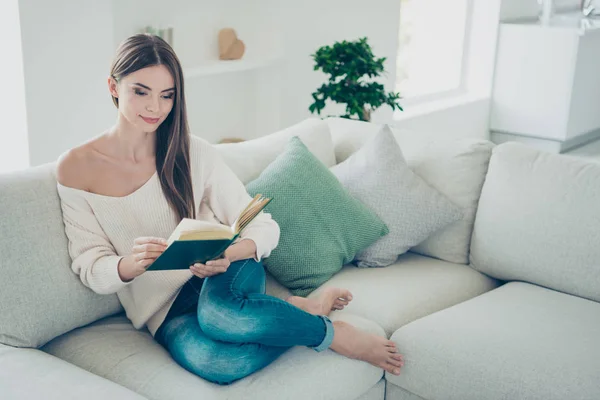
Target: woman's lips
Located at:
point(150, 121)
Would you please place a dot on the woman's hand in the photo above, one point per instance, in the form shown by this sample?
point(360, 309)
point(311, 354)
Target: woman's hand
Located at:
point(213, 267)
point(145, 250)
point(243, 249)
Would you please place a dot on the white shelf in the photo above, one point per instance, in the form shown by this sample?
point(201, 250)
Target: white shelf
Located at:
point(227, 66)
point(546, 84)
point(571, 20)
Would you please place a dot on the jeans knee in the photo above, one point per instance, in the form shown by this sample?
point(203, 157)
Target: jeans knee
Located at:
point(224, 377)
point(226, 323)
point(216, 367)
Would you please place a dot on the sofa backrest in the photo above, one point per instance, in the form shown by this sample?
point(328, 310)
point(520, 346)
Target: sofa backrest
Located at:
point(248, 159)
point(538, 221)
point(40, 296)
point(456, 168)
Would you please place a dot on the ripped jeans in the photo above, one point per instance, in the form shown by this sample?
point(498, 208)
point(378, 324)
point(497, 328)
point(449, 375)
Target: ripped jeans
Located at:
point(224, 327)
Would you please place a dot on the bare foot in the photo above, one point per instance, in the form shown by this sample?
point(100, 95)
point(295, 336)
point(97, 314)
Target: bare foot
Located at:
point(329, 300)
point(353, 343)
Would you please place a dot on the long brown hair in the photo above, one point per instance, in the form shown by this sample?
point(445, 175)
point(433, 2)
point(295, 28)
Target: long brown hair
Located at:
point(172, 136)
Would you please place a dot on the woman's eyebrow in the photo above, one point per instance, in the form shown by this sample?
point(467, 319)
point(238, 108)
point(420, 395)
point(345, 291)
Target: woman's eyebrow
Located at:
point(146, 87)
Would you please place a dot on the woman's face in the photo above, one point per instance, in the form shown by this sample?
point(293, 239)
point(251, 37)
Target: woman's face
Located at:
point(145, 96)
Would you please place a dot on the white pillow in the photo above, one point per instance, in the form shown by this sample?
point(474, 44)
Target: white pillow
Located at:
point(248, 159)
point(457, 168)
point(379, 177)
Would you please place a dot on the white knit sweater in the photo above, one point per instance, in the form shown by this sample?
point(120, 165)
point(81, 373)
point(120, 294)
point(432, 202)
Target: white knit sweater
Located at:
point(101, 230)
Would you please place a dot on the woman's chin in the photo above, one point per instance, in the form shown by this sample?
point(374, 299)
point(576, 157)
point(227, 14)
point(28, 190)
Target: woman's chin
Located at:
point(147, 128)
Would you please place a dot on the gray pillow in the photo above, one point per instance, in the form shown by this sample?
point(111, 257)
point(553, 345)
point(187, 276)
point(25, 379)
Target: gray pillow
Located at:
point(378, 176)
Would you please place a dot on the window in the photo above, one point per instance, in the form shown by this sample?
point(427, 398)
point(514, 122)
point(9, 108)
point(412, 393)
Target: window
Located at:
point(432, 47)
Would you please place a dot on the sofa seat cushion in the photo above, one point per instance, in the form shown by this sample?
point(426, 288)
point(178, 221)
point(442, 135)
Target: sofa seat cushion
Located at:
point(411, 288)
point(519, 341)
point(114, 349)
point(32, 374)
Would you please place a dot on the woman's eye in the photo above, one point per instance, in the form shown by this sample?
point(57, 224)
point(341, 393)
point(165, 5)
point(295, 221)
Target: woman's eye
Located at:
point(168, 97)
point(140, 93)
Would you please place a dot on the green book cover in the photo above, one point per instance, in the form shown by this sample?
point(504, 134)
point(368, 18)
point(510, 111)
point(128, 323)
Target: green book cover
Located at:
point(183, 253)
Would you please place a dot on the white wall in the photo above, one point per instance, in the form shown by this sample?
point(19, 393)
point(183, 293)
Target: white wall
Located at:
point(257, 102)
point(14, 153)
point(218, 105)
point(67, 48)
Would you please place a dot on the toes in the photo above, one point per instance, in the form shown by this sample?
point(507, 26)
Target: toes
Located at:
point(391, 369)
point(337, 307)
point(397, 356)
point(395, 363)
point(345, 294)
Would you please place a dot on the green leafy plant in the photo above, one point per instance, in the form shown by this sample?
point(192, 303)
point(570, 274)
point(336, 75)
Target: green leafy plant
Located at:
point(351, 67)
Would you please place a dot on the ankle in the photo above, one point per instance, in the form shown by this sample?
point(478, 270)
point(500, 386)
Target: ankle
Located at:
point(340, 324)
point(287, 299)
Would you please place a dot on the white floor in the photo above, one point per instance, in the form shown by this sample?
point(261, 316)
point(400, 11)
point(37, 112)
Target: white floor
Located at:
point(590, 151)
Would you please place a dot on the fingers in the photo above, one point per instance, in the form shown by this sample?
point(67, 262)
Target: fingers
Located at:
point(220, 262)
point(197, 272)
point(203, 270)
point(147, 255)
point(149, 247)
point(150, 240)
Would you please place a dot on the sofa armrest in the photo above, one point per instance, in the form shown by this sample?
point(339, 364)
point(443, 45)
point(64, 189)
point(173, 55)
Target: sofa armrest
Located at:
point(33, 374)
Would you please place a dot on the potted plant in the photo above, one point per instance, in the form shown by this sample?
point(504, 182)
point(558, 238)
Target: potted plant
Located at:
point(351, 67)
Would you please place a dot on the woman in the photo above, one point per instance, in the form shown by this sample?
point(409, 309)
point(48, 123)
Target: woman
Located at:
point(125, 190)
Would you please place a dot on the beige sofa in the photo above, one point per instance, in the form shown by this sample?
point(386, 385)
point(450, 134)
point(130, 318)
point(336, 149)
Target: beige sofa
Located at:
point(501, 304)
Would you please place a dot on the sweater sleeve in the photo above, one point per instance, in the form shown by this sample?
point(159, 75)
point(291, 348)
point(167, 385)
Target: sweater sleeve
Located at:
point(227, 197)
point(93, 257)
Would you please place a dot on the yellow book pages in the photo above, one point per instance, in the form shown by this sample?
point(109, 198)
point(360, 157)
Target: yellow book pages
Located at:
point(257, 204)
point(193, 229)
point(199, 235)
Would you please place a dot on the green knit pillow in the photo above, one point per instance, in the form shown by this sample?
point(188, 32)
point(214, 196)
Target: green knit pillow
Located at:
point(322, 225)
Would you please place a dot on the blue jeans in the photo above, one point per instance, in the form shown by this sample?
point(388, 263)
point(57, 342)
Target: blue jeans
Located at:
point(224, 328)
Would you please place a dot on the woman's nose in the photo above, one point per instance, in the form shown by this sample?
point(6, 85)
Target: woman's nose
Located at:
point(152, 106)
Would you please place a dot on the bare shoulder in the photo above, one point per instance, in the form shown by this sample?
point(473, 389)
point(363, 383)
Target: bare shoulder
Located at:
point(73, 166)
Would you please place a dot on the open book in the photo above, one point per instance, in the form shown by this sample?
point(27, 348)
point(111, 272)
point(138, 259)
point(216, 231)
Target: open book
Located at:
point(195, 241)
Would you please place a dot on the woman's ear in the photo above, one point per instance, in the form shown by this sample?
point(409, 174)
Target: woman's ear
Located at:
point(113, 87)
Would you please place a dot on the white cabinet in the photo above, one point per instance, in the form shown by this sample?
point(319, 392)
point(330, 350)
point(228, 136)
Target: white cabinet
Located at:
point(547, 83)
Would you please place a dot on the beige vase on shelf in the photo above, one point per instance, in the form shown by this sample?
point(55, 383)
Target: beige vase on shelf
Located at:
point(230, 46)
